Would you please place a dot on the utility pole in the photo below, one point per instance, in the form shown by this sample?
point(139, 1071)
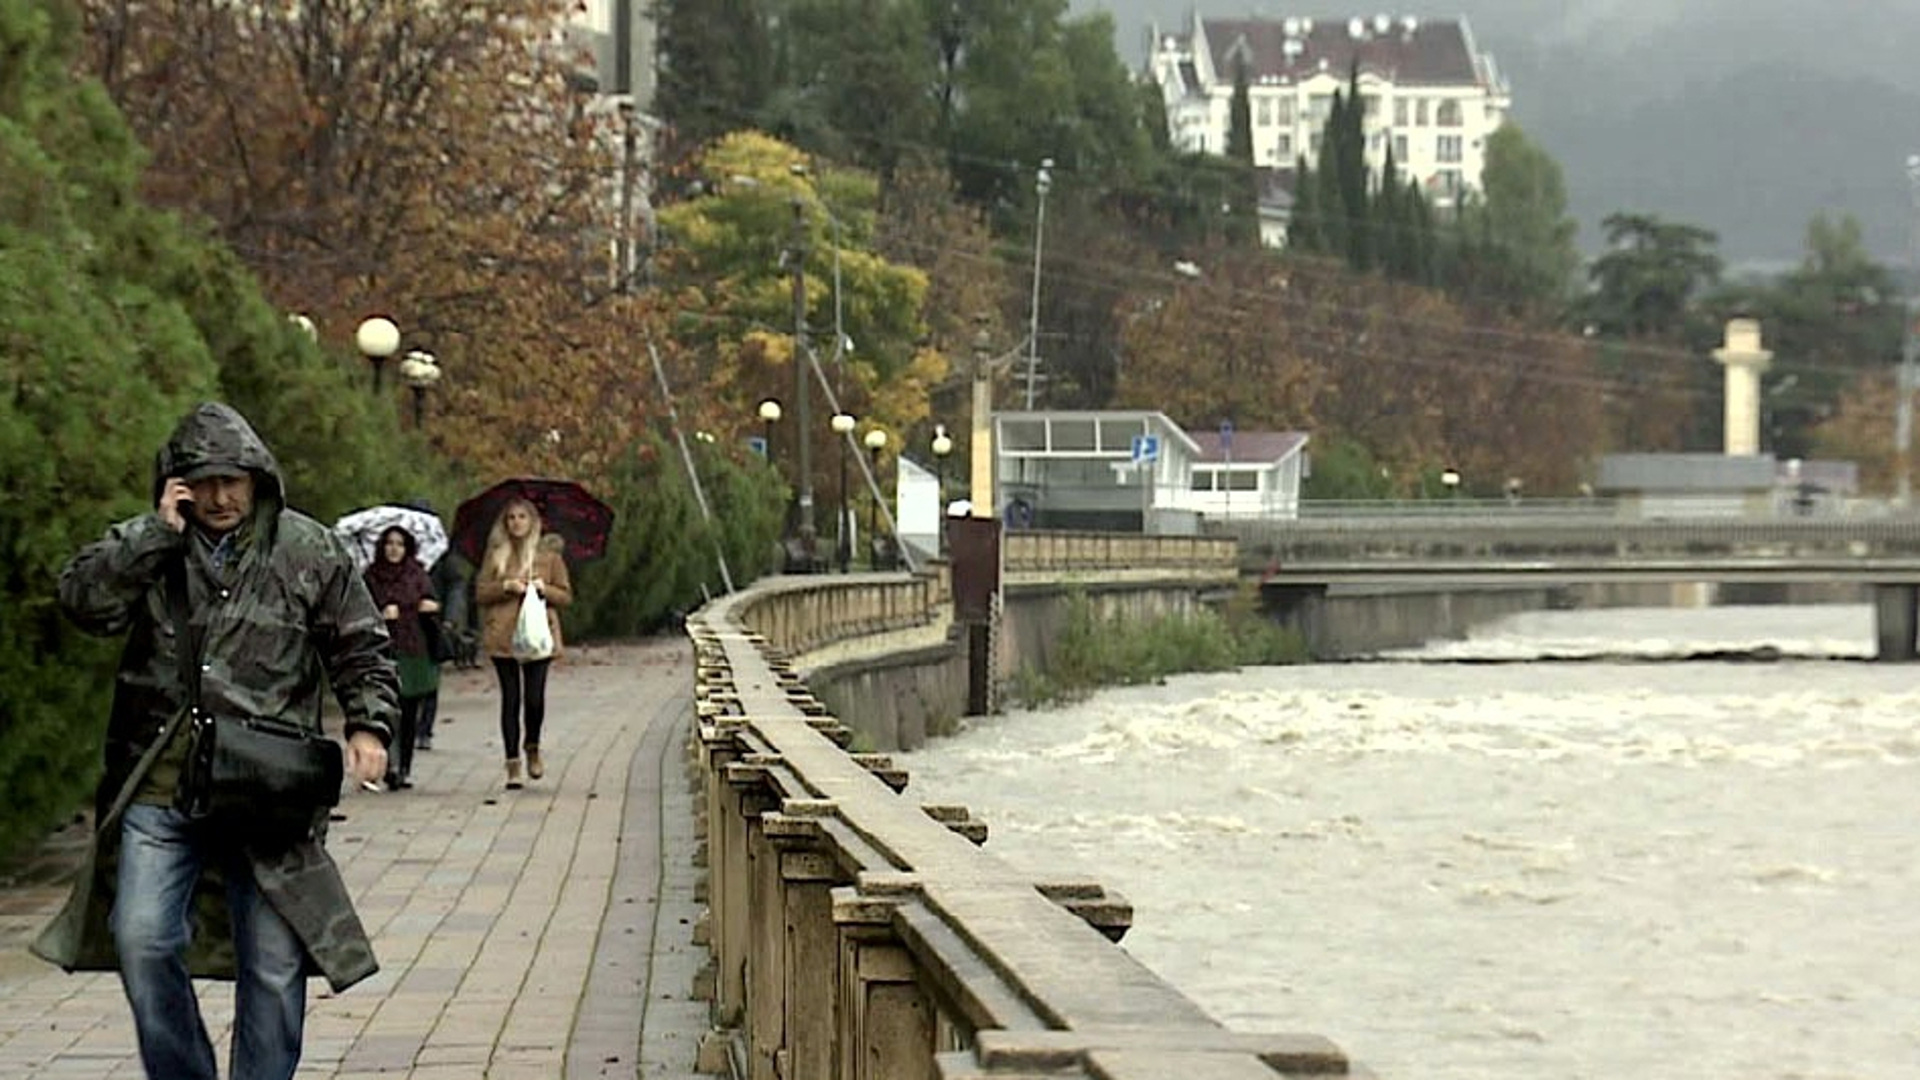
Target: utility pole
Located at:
point(803, 420)
point(629, 148)
point(1042, 182)
point(1909, 343)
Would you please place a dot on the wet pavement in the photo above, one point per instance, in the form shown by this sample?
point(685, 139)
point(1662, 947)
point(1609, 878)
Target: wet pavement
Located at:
point(540, 933)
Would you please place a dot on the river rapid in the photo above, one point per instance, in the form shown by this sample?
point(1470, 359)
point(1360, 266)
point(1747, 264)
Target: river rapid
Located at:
point(1550, 850)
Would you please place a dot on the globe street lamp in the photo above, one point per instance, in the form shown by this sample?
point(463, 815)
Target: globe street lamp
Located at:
point(876, 441)
point(942, 446)
point(377, 339)
point(305, 324)
point(769, 415)
point(842, 424)
point(420, 370)
point(1042, 183)
point(1450, 479)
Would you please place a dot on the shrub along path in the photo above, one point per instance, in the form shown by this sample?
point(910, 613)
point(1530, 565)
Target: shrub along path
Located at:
point(531, 934)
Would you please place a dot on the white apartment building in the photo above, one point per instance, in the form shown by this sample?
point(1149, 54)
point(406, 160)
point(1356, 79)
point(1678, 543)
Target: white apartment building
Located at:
point(1429, 92)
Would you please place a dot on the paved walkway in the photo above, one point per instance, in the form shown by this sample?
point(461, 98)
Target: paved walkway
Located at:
point(526, 935)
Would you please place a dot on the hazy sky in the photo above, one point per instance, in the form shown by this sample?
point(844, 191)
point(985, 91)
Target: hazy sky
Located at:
point(1748, 116)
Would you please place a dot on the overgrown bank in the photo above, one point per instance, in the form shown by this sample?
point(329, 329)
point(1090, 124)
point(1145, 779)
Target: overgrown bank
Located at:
point(1097, 651)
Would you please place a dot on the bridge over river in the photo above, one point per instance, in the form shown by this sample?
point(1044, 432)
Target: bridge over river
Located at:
point(1563, 547)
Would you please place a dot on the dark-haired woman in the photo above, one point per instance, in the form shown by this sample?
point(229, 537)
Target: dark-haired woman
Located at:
point(402, 593)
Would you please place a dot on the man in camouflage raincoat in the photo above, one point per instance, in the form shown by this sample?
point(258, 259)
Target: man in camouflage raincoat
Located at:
point(278, 612)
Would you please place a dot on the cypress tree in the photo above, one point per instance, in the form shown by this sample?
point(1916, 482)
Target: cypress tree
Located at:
point(1304, 232)
point(1390, 229)
point(1329, 195)
point(88, 336)
point(1351, 145)
point(1244, 222)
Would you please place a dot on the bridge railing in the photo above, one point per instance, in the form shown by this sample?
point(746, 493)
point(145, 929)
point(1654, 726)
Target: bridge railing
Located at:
point(1523, 536)
point(1088, 552)
point(858, 935)
point(799, 614)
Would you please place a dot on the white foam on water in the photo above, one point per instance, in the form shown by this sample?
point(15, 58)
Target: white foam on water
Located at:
point(1663, 870)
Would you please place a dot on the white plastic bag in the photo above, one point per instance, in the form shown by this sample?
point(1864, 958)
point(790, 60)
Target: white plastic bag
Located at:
point(532, 634)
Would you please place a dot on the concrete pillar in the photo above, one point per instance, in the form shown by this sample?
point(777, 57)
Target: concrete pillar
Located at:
point(732, 876)
point(813, 959)
point(888, 1024)
point(766, 975)
point(1894, 621)
point(1744, 360)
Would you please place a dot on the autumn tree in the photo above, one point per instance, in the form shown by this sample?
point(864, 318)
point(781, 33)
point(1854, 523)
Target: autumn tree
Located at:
point(725, 271)
point(1400, 377)
point(435, 163)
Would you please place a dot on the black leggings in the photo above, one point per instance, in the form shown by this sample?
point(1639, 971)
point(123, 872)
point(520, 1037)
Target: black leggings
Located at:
point(400, 754)
point(515, 674)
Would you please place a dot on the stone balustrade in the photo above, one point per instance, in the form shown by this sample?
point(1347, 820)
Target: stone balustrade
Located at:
point(1084, 553)
point(803, 614)
point(856, 934)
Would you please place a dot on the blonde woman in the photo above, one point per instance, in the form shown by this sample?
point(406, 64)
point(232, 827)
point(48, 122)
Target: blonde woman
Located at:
point(518, 559)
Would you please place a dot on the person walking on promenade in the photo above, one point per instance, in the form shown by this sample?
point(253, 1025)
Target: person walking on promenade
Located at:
point(452, 590)
point(403, 594)
point(269, 602)
point(518, 559)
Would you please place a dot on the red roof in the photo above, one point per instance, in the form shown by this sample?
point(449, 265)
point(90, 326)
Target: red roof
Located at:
point(1431, 53)
point(1249, 446)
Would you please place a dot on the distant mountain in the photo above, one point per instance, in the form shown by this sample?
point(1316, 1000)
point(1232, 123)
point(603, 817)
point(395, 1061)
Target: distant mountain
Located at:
point(1753, 155)
point(1745, 116)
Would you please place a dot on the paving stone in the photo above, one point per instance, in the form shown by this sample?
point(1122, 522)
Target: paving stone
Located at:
point(493, 913)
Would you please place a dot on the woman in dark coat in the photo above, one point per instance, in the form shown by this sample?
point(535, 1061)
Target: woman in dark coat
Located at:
point(402, 594)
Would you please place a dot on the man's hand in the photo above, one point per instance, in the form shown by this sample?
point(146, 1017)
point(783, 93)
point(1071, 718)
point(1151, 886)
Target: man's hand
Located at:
point(366, 758)
point(172, 495)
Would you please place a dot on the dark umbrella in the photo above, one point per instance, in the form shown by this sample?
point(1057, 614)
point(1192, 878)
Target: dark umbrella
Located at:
point(566, 509)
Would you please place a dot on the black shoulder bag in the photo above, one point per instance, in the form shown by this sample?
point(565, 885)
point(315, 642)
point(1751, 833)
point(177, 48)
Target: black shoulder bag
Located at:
point(263, 779)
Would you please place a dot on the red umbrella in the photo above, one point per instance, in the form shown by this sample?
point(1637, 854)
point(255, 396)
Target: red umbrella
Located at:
point(566, 509)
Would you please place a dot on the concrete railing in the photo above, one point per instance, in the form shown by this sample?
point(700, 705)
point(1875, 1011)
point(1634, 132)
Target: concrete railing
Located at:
point(801, 614)
point(1516, 535)
point(797, 615)
point(1092, 552)
point(858, 935)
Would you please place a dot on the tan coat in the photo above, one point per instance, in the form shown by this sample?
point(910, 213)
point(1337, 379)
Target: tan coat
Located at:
point(500, 609)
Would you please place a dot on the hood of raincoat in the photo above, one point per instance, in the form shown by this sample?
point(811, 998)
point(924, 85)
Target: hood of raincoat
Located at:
point(214, 437)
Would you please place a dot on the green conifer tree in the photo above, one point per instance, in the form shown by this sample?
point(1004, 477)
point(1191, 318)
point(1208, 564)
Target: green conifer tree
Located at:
point(1244, 221)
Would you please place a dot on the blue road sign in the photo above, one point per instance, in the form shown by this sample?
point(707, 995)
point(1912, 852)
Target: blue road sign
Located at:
point(1146, 448)
point(757, 444)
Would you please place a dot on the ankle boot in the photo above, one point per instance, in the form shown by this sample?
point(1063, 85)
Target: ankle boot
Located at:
point(535, 767)
point(513, 774)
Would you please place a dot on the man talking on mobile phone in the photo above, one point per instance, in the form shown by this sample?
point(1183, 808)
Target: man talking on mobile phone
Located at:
point(273, 612)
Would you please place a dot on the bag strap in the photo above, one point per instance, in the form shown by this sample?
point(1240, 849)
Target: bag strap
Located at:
point(188, 649)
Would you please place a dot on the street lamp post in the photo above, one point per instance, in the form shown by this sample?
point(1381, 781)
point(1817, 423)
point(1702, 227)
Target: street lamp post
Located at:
point(1909, 343)
point(842, 424)
point(876, 441)
point(420, 371)
point(377, 339)
point(1042, 183)
point(769, 415)
point(942, 446)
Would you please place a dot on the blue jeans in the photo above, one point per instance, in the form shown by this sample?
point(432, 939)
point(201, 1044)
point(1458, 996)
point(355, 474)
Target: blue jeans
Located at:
point(162, 854)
